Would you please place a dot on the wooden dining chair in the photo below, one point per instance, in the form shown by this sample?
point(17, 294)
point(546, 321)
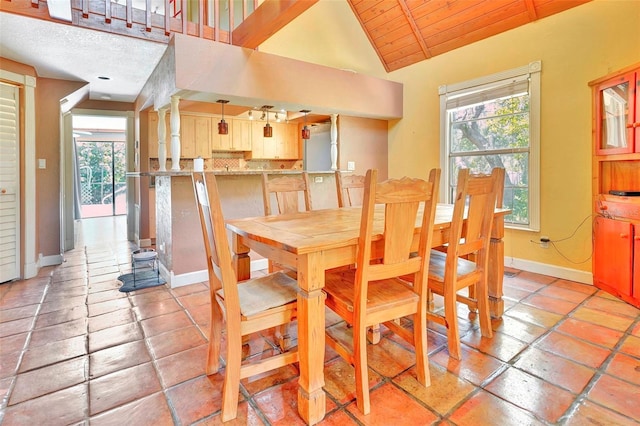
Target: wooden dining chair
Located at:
point(350, 189)
point(245, 308)
point(464, 263)
point(372, 293)
point(286, 191)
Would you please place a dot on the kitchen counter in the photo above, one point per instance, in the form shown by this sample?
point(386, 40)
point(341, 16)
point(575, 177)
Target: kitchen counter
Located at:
point(176, 224)
point(230, 172)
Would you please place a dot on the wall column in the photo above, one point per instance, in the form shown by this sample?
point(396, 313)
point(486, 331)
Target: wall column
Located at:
point(334, 142)
point(175, 133)
point(162, 139)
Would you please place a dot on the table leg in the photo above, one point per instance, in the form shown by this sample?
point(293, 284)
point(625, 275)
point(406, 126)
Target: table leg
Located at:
point(311, 322)
point(241, 259)
point(496, 268)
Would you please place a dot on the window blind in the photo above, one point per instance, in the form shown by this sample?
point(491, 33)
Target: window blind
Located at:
point(495, 90)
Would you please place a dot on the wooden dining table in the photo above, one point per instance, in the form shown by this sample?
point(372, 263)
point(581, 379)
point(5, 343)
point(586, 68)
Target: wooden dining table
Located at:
point(312, 242)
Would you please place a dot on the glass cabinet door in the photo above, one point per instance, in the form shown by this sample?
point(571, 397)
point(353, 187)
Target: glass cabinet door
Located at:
point(615, 115)
point(636, 125)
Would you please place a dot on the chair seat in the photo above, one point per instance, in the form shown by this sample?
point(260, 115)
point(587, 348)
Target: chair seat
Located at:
point(264, 293)
point(382, 294)
point(437, 263)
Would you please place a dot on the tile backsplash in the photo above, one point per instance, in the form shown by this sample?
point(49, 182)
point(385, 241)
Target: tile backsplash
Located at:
point(232, 164)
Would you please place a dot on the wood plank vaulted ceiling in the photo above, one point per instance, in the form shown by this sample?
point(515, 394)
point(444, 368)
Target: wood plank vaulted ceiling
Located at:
point(404, 32)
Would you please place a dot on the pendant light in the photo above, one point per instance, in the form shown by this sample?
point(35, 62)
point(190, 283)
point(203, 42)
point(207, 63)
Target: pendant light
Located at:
point(223, 126)
point(267, 130)
point(306, 132)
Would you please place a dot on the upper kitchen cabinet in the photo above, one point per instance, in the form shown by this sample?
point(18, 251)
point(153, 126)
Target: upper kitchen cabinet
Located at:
point(195, 136)
point(282, 145)
point(238, 139)
point(617, 114)
point(153, 135)
point(616, 133)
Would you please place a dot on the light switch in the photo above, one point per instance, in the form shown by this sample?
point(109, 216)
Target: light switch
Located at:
point(42, 163)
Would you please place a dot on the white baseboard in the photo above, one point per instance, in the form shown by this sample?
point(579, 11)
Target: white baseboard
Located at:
point(145, 242)
point(551, 270)
point(30, 270)
point(200, 276)
point(259, 264)
point(56, 259)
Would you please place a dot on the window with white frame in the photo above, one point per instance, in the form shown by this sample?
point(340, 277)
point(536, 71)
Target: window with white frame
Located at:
point(494, 121)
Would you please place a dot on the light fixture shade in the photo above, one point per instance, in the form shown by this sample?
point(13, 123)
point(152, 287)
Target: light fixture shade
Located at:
point(306, 132)
point(223, 127)
point(268, 131)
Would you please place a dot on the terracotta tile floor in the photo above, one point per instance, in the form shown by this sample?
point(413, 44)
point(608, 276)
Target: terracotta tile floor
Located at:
point(74, 350)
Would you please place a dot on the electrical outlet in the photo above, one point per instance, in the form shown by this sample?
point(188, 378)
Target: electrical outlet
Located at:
point(317, 179)
point(544, 242)
point(351, 165)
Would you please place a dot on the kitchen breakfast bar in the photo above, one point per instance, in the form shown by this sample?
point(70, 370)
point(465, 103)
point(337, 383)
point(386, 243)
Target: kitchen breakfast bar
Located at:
point(174, 221)
point(177, 229)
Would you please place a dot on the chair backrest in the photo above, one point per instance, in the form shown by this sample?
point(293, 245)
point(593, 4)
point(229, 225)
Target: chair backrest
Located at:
point(350, 189)
point(475, 202)
point(219, 260)
point(401, 199)
point(287, 191)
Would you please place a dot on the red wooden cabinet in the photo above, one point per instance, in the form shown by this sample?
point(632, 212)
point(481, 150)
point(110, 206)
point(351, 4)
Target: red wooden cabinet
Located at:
point(614, 256)
point(617, 121)
point(616, 181)
point(636, 122)
point(635, 293)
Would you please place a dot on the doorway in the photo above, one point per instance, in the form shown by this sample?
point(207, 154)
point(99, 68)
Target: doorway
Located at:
point(100, 158)
point(102, 182)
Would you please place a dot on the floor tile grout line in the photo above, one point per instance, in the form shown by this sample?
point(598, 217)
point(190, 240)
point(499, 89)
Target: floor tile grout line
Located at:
point(598, 372)
point(612, 351)
point(24, 350)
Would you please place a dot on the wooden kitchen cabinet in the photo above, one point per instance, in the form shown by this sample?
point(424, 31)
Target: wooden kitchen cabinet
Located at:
point(288, 142)
point(221, 142)
point(283, 145)
point(616, 183)
point(614, 255)
point(242, 135)
point(153, 135)
point(195, 136)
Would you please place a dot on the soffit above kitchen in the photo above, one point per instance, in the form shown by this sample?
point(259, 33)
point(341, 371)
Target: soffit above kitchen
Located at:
point(198, 70)
point(404, 32)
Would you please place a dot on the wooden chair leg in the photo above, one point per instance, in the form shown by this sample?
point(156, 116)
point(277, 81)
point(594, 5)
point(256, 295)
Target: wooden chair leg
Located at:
point(284, 337)
point(362, 373)
point(473, 294)
point(453, 334)
point(420, 341)
point(373, 334)
point(231, 384)
point(482, 294)
point(430, 303)
point(215, 339)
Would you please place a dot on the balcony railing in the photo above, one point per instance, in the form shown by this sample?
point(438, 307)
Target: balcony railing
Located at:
point(146, 19)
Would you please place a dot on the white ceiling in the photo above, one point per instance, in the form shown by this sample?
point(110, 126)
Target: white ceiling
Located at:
point(72, 53)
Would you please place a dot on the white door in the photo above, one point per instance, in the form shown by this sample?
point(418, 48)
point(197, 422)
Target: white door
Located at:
point(9, 184)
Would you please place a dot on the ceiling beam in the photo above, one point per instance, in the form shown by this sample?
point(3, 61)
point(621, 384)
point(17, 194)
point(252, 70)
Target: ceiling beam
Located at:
point(415, 29)
point(266, 20)
point(531, 10)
